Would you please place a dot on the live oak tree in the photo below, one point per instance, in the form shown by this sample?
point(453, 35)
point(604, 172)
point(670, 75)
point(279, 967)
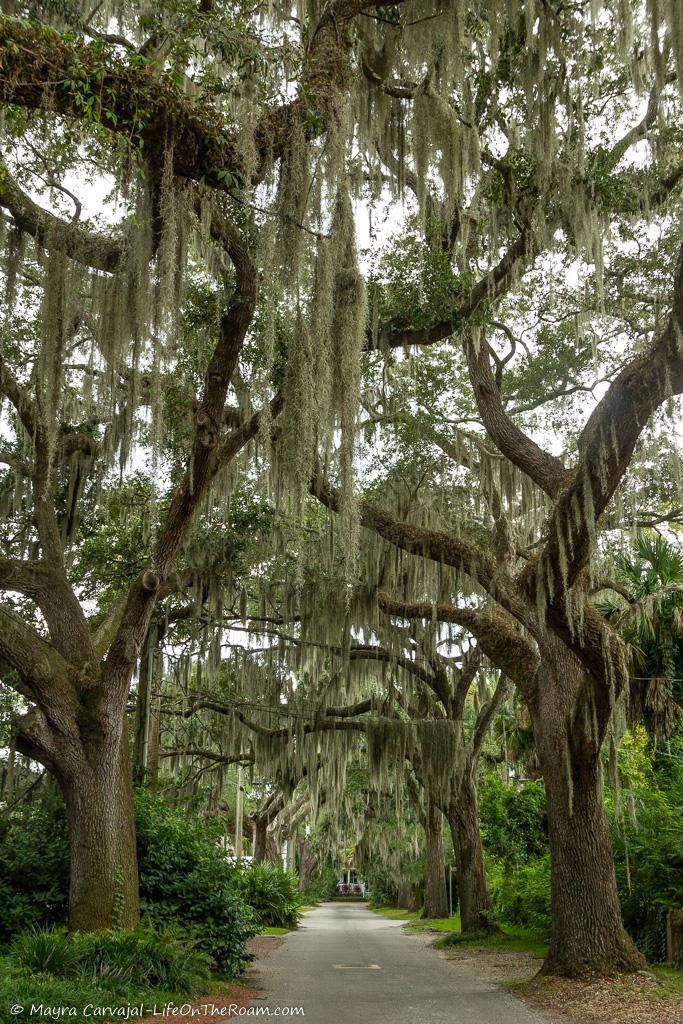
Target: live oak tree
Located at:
point(178, 115)
point(570, 707)
point(571, 670)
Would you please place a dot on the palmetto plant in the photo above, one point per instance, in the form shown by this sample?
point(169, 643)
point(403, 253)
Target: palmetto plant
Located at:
point(272, 893)
point(649, 611)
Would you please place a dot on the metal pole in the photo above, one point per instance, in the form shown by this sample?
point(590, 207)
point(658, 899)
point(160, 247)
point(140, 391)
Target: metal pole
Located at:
point(147, 710)
point(450, 889)
point(239, 805)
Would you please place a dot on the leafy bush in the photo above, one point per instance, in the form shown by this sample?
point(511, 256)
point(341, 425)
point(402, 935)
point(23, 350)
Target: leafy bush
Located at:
point(514, 825)
point(383, 898)
point(648, 846)
point(22, 986)
point(140, 957)
point(34, 868)
point(383, 888)
point(272, 893)
point(186, 879)
point(144, 957)
point(45, 951)
point(521, 894)
point(323, 885)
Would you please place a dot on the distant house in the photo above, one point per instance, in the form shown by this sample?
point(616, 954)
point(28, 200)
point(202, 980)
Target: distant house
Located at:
point(349, 884)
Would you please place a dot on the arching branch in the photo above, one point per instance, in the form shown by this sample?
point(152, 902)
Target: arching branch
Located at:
point(40, 673)
point(209, 755)
point(544, 469)
point(487, 714)
point(40, 68)
point(437, 546)
point(89, 248)
point(498, 635)
point(490, 287)
point(606, 446)
point(19, 397)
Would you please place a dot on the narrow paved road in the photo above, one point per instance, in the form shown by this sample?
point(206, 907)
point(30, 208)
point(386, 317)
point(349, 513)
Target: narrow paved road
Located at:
point(346, 965)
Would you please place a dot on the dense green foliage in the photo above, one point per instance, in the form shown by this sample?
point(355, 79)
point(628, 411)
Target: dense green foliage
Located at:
point(383, 890)
point(648, 839)
point(34, 868)
point(521, 894)
point(323, 884)
point(140, 957)
point(649, 613)
point(513, 820)
point(103, 970)
point(515, 835)
point(186, 879)
point(272, 894)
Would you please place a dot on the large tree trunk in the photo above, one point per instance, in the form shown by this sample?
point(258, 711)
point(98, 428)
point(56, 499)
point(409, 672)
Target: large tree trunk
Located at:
point(307, 863)
point(260, 831)
point(98, 791)
point(274, 848)
point(407, 897)
point(587, 932)
point(436, 895)
point(476, 907)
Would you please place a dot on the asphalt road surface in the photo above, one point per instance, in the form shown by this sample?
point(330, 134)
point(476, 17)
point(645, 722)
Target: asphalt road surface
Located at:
point(346, 965)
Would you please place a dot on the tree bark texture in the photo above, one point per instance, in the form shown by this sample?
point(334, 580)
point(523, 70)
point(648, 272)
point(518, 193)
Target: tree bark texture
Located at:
point(587, 934)
point(260, 831)
point(273, 851)
point(103, 887)
point(436, 895)
point(143, 706)
point(476, 907)
point(408, 896)
point(307, 864)
point(154, 742)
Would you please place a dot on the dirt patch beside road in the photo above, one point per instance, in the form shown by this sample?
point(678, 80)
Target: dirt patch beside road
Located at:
point(263, 945)
point(643, 998)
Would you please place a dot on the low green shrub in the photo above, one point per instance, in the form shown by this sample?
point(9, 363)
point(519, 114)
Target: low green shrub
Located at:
point(48, 969)
point(272, 893)
point(187, 880)
point(20, 986)
point(47, 951)
point(142, 957)
point(139, 957)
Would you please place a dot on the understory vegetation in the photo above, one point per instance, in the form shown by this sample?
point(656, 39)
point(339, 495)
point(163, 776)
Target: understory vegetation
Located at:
point(199, 909)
